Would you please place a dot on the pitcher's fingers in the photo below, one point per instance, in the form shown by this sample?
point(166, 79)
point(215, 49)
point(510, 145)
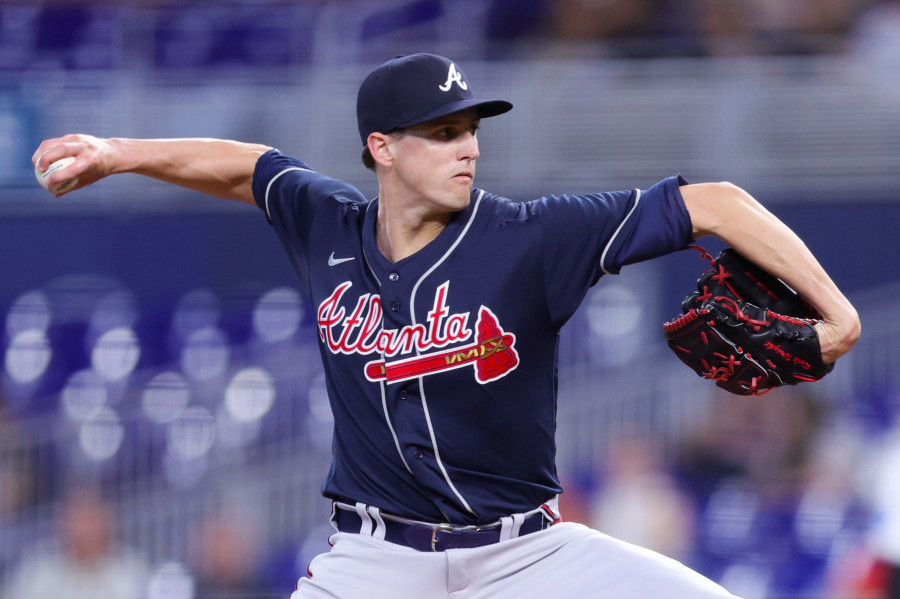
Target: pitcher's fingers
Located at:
point(70, 172)
point(55, 151)
point(47, 143)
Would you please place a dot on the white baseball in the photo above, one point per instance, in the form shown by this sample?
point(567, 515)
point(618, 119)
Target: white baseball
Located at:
point(59, 164)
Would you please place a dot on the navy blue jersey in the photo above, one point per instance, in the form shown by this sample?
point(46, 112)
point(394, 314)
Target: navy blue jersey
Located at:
point(441, 368)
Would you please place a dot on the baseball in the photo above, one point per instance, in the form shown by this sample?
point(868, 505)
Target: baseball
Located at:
point(59, 164)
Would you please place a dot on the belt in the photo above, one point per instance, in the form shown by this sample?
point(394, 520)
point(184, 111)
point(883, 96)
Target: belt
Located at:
point(423, 536)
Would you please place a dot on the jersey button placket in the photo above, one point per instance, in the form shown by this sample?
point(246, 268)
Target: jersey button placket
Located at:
point(395, 306)
point(393, 277)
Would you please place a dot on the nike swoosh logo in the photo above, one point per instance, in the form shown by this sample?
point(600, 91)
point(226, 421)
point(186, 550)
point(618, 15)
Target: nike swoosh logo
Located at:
point(332, 261)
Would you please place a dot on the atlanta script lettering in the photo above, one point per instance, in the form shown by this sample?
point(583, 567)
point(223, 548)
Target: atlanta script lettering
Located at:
point(360, 331)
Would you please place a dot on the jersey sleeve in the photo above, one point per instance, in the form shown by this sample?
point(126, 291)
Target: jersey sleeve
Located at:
point(585, 237)
point(292, 194)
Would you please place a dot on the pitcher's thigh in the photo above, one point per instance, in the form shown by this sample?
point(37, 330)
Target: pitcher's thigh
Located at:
point(366, 568)
point(576, 561)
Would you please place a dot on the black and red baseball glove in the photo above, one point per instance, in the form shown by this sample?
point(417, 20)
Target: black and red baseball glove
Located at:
point(746, 330)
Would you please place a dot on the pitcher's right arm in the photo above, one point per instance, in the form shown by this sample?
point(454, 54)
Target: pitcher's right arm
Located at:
point(217, 167)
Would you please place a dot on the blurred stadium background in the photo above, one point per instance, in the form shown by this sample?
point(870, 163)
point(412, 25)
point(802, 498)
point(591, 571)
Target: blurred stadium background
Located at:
point(163, 424)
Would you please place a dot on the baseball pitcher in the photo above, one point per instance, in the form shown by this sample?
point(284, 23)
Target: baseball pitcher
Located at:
point(438, 309)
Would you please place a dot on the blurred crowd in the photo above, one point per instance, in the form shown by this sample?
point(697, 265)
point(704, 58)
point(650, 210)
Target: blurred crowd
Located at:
point(693, 27)
point(768, 497)
point(273, 33)
point(85, 558)
point(774, 498)
point(112, 405)
point(81, 558)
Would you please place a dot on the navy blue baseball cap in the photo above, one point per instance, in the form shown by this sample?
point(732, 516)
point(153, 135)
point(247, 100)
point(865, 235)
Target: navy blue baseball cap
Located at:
point(410, 90)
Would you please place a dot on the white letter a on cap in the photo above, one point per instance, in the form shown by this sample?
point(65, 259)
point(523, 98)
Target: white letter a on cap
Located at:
point(453, 76)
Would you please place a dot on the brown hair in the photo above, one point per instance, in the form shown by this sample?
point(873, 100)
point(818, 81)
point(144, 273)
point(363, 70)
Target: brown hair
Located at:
point(367, 159)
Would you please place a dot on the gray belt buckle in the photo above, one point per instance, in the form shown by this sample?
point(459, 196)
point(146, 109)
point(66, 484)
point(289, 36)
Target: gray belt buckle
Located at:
point(434, 532)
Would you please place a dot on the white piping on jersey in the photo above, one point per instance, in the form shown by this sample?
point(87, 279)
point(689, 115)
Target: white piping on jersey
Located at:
point(434, 266)
point(437, 454)
point(637, 200)
point(272, 180)
point(412, 303)
point(387, 419)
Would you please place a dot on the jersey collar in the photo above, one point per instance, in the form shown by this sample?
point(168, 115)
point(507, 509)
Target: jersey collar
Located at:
point(424, 258)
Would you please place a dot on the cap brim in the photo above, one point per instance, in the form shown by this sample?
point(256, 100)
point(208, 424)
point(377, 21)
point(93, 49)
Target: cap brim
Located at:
point(485, 109)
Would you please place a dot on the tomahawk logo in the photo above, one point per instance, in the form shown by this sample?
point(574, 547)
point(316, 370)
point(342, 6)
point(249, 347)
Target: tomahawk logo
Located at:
point(453, 76)
point(493, 355)
point(359, 331)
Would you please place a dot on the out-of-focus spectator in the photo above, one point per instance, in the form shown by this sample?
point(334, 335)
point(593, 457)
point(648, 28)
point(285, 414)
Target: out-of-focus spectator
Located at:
point(226, 561)
point(16, 483)
point(767, 26)
point(719, 28)
point(623, 26)
point(767, 441)
point(885, 530)
point(808, 18)
point(641, 28)
point(767, 513)
point(639, 502)
point(609, 19)
point(828, 517)
point(870, 567)
point(84, 562)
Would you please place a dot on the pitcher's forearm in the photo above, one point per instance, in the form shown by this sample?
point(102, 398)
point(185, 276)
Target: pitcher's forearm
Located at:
point(734, 216)
point(220, 168)
point(217, 167)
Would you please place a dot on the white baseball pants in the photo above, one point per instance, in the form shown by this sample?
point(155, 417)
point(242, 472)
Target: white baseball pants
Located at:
point(565, 560)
